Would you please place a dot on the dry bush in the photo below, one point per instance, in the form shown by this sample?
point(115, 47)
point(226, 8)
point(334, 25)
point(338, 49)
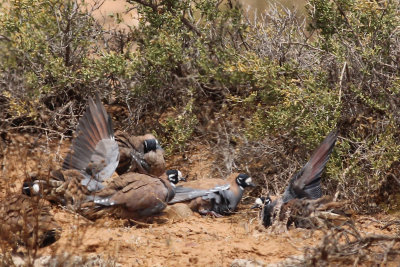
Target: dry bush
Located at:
point(301, 88)
point(349, 245)
point(24, 219)
point(263, 92)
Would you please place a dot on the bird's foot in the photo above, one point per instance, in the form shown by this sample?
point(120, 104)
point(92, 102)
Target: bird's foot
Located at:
point(210, 213)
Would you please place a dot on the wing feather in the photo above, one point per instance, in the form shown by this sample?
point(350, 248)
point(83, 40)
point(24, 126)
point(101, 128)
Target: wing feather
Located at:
point(94, 151)
point(307, 182)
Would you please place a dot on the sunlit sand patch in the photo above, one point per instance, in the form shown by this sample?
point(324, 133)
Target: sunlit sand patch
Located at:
point(111, 10)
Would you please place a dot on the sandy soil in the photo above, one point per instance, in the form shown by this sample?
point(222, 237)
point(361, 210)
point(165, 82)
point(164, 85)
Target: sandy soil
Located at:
point(172, 240)
point(195, 240)
point(175, 238)
point(107, 14)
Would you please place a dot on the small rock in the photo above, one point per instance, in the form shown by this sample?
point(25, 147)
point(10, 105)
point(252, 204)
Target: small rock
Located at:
point(178, 211)
point(291, 261)
point(247, 263)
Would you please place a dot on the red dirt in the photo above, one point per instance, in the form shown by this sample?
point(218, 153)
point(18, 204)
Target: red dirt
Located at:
point(171, 240)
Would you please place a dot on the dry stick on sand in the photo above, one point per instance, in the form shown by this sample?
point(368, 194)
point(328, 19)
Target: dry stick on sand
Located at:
point(349, 243)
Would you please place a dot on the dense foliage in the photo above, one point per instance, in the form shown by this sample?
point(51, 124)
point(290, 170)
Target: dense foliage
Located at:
point(263, 89)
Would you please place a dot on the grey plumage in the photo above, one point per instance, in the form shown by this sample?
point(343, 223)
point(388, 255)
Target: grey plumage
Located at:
point(87, 183)
point(140, 154)
point(94, 151)
point(213, 196)
point(186, 193)
point(306, 184)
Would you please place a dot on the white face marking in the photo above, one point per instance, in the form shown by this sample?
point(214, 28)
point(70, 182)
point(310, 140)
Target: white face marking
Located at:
point(36, 188)
point(259, 201)
point(179, 174)
point(248, 180)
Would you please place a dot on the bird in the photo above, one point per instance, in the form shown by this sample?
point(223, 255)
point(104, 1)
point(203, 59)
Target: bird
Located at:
point(64, 186)
point(215, 197)
point(94, 151)
point(87, 182)
point(132, 195)
point(174, 176)
point(27, 221)
point(142, 154)
point(304, 189)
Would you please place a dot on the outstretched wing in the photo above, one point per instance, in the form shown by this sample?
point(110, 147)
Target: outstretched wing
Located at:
point(307, 182)
point(183, 194)
point(94, 151)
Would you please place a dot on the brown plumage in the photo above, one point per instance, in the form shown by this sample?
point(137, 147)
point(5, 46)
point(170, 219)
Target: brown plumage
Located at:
point(131, 195)
point(208, 183)
point(60, 186)
point(27, 221)
point(309, 213)
point(87, 182)
point(304, 187)
point(204, 205)
point(131, 147)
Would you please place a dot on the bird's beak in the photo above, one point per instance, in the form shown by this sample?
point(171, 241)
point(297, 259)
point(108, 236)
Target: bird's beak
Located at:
point(255, 206)
point(182, 179)
point(252, 184)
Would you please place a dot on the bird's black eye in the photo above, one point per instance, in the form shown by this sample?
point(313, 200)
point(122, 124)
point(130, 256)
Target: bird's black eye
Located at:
point(26, 188)
point(173, 179)
point(173, 176)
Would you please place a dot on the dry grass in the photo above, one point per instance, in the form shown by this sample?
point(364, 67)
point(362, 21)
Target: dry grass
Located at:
point(356, 245)
point(183, 241)
point(24, 220)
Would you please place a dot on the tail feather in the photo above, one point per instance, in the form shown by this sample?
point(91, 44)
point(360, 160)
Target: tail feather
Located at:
point(313, 190)
point(102, 201)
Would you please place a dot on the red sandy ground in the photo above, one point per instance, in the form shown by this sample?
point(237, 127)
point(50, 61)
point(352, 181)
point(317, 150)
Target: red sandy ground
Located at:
point(173, 240)
point(190, 241)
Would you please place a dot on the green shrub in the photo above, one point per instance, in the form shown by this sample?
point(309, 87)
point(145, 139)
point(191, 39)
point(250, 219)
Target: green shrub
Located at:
point(278, 86)
point(47, 46)
point(179, 129)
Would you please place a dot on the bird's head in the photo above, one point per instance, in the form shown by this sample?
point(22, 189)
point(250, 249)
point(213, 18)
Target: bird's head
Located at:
point(175, 176)
point(151, 145)
point(243, 180)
